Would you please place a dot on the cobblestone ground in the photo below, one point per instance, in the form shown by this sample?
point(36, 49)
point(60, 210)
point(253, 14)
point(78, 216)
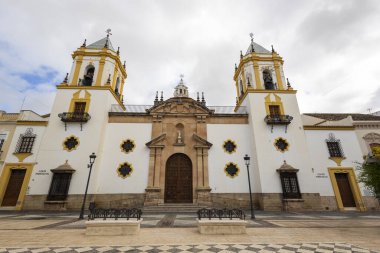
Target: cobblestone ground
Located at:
point(269, 232)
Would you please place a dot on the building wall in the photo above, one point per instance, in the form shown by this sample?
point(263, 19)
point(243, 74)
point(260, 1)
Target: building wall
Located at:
point(217, 134)
point(108, 180)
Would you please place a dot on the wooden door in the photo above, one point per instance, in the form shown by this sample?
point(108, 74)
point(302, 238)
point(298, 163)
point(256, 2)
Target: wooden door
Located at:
point(345, 189)
point(179, 179)
point(13, 188)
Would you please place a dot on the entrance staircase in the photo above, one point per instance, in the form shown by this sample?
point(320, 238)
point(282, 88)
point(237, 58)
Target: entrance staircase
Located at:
point(173, 208)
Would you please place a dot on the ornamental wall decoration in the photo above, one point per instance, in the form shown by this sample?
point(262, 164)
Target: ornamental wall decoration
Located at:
point(281, 144)
point(125, 170)
point(231, 170)
point(70, 143)
point(127, 146)
point(229, 146)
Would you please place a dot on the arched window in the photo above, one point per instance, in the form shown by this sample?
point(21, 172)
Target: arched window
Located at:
point(268, 80)
point(117, 86)
point(88, 76)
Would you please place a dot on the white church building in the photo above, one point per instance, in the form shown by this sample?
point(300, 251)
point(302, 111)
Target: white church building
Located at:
point(181, 150)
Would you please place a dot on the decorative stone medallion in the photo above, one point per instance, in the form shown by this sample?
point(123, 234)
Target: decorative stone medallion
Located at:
point(127, 146)
point(281, 144)
point(125, 170)
point(71, 143)
point(229, 146)
point(231, 170)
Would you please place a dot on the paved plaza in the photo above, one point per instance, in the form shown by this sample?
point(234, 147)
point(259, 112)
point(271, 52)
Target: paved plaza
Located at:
point(269, 232)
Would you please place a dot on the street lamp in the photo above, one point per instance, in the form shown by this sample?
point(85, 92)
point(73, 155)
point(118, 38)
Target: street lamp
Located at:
point(247, 160)
point(92, 160)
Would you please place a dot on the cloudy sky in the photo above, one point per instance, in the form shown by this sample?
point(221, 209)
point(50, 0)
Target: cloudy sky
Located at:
point(331, 48)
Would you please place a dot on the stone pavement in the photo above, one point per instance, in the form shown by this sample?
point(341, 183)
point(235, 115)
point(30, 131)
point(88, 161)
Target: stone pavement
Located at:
point(270, 232)
point(304, 247)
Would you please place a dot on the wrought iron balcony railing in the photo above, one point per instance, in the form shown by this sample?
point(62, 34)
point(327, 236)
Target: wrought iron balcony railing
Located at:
point(74, 117)
point(278, 119)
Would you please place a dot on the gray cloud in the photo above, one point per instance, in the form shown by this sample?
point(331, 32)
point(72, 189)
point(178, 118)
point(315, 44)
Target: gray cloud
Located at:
point(331, 49)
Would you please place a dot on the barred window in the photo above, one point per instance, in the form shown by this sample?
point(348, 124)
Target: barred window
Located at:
point(334, 147)
point(59, 186)
point(290, 188)
point(26, 141)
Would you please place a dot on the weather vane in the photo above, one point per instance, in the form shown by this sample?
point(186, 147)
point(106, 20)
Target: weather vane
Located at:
point(108, 31)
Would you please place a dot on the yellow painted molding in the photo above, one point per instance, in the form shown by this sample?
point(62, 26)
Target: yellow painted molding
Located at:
point(344, 128)
point(233, 151)
point(277, 102)
point(252, 90)
point(353, 184)
point(4, 180)
point(76, 98)
point(237, 172)
point(257, 76)
point(102, 62)
point(32, 123)
point(22, 156)
point(278, 75)
point(337, 160)
point(78, 65)
point(69, 150)
point(94, 88)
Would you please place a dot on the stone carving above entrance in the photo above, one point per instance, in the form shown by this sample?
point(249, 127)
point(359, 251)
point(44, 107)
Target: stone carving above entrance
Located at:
point(180, 105)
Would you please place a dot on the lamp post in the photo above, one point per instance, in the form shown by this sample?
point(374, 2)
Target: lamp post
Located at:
point(247, 160)
point(92, 160)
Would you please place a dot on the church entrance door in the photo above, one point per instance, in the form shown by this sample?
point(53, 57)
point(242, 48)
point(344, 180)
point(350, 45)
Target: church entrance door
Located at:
point(345, 189)
point(178, 179)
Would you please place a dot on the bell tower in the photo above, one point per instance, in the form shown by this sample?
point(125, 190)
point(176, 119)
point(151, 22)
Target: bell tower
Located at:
point(275, 122)
point(98, 65)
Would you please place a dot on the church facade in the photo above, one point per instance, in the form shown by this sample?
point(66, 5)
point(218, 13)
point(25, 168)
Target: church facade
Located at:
point(181, 150)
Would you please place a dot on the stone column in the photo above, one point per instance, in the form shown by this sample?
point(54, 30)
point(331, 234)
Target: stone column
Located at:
point(153, 191)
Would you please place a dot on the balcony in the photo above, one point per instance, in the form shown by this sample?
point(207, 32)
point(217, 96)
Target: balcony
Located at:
point(74, 117)
point(278, 120)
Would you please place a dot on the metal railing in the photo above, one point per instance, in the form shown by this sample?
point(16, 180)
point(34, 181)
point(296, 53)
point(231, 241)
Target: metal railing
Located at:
point(112, 213)
point(74, 116)
point(225, 213)
point(278, 119)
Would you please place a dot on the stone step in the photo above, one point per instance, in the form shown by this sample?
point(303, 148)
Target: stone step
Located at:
point(173, 208)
